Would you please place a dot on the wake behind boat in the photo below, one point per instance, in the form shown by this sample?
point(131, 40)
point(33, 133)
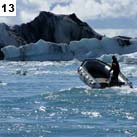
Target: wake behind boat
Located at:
point(95, 73)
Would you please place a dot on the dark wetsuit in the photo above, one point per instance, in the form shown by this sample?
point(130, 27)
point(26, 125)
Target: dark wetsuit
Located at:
point(116, 71)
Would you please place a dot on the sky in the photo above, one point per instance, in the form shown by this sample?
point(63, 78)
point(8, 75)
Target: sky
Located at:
point(100, 14)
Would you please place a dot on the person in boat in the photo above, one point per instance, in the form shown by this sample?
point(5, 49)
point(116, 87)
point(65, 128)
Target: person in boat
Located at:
point(116, 70)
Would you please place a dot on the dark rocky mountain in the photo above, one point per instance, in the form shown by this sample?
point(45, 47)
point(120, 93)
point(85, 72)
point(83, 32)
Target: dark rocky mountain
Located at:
point(54, 28)
point(50, 27)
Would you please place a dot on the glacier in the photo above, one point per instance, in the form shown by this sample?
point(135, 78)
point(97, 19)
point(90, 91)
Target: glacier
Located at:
point(85, 48)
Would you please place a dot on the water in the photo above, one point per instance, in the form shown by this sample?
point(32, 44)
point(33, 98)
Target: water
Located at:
point(47, 99)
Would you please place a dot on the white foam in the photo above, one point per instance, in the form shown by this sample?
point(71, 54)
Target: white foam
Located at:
point(91, 114)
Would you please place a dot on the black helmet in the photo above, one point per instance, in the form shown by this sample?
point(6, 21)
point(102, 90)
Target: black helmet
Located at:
point(114, 58)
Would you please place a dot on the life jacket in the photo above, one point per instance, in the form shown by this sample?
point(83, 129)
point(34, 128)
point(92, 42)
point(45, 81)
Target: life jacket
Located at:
point(115, 67)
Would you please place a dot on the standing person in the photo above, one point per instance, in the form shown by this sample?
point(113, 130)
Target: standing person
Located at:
point(116, 70)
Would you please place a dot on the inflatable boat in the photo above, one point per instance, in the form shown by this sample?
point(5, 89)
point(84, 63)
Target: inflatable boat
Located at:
point(95, 73)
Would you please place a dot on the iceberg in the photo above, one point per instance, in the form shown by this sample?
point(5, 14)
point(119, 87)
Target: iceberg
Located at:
point(39, 51)
point(85, 48)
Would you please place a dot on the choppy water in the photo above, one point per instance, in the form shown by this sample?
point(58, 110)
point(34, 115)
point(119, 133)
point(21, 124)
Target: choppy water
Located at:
point(47, 99)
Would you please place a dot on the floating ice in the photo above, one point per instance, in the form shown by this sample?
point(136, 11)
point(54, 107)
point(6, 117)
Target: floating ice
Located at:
point(85, 48)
